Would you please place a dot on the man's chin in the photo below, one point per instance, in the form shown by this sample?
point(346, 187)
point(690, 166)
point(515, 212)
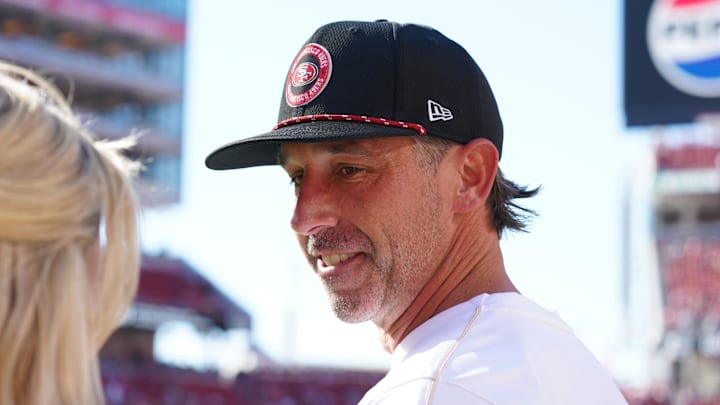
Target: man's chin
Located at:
point(349, 311)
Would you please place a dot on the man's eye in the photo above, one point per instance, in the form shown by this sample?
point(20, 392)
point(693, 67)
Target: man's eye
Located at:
point(349, 170)
point(296, 179)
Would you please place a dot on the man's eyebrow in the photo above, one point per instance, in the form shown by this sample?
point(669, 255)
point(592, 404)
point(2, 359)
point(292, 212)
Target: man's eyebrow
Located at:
point(333, 148)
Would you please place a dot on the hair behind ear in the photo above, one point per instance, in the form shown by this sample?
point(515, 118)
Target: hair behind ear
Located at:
point(506, 212)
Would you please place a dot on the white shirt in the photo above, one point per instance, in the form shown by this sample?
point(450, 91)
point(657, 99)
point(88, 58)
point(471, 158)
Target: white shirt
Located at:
point(498, 349)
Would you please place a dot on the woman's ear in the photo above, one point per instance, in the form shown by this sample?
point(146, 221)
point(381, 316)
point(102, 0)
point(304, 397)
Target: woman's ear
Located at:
point(477, 169)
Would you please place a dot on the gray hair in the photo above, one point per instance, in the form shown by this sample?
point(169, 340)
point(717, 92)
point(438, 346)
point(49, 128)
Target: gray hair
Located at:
point(506, 213)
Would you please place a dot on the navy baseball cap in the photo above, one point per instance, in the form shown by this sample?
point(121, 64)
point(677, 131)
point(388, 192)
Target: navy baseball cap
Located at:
point(355, 79)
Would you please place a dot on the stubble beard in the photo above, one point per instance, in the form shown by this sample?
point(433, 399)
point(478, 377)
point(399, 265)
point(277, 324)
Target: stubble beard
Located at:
point(400, 276)
point(359, 305)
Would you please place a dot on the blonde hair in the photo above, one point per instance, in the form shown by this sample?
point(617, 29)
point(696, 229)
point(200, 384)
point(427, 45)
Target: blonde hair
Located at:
point(61, 193)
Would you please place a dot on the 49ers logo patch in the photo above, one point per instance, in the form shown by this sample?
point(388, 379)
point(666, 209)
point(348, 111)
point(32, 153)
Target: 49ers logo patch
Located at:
point(308, 75)
point(304, 74)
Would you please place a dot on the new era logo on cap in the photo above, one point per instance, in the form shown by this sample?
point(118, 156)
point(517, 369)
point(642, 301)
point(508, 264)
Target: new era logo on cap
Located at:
point(436, 112)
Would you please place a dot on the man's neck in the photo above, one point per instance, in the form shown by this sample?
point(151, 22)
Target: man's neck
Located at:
point(473, 266)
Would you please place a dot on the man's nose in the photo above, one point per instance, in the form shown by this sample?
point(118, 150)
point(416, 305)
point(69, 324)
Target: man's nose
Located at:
point(315, 207)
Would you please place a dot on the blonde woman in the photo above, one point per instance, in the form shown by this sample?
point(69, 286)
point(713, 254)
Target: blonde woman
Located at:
point(68, 245)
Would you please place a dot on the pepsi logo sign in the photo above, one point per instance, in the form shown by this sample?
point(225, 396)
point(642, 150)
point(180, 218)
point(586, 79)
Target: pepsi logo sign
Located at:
point(684, 43)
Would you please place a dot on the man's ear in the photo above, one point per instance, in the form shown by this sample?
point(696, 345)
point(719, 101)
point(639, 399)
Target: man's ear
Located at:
point(478, 162)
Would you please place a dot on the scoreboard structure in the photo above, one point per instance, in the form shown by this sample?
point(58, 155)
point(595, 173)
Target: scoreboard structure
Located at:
point(672, 61)
point(672, 86)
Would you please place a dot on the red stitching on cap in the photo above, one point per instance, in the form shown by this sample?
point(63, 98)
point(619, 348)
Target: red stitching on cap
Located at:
point(356, 118)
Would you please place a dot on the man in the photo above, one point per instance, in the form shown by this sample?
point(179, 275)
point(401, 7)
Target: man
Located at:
point(391, 136)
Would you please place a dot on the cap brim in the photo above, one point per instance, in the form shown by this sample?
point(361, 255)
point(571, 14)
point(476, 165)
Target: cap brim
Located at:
point(262, 150)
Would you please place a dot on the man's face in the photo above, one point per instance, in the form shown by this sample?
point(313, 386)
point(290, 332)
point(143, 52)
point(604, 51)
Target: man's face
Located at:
point(373, 224)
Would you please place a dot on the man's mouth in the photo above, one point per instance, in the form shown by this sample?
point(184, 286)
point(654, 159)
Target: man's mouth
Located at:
point(335, 258)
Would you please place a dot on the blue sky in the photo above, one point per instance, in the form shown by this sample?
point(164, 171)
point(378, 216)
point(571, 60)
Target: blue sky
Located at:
point(555, 67)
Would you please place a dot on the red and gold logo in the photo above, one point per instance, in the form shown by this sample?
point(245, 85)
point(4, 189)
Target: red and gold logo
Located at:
point(308, 76)
point(304, 74)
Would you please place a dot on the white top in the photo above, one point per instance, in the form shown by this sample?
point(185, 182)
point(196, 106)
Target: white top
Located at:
point(499, 349)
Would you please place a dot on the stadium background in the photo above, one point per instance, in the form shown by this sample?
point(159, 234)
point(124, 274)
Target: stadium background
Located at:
point(625, 249)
